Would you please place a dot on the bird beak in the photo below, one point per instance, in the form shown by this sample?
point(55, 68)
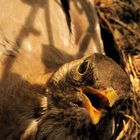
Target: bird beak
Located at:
point(96, 100)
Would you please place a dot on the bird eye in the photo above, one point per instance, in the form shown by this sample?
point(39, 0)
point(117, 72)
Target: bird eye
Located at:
point(83, 67)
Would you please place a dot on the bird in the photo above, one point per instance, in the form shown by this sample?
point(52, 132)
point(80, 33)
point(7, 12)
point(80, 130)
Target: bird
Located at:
point(48, 91)
point(71, 105)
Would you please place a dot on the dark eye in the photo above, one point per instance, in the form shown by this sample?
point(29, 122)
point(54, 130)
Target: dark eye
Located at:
point(83, 67)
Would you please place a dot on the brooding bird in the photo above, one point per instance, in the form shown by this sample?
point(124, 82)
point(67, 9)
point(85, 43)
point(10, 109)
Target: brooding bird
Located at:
point(72, 105)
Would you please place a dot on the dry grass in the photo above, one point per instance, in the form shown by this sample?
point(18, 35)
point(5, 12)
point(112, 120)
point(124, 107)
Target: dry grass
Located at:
point(121, 19)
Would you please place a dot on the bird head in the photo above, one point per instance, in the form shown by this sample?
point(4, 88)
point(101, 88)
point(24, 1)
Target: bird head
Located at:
point(80, 93)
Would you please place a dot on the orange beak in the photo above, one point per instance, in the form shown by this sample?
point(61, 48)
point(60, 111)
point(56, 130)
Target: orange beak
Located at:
point(101, 98)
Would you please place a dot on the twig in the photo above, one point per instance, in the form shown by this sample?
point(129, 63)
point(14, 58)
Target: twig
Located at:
point(125, 26)
point(133, 120)
point(105, 20)
point(124, 130)
point(131, 65)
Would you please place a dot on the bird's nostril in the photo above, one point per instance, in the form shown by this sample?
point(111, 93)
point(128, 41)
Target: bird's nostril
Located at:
point(83, 67)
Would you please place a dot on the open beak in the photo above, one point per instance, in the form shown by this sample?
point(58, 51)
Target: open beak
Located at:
point(96, 100)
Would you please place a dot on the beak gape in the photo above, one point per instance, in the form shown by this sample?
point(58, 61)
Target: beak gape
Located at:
point(96, 100)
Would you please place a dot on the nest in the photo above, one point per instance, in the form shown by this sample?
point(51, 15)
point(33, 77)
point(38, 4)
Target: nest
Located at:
point(120, 26)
